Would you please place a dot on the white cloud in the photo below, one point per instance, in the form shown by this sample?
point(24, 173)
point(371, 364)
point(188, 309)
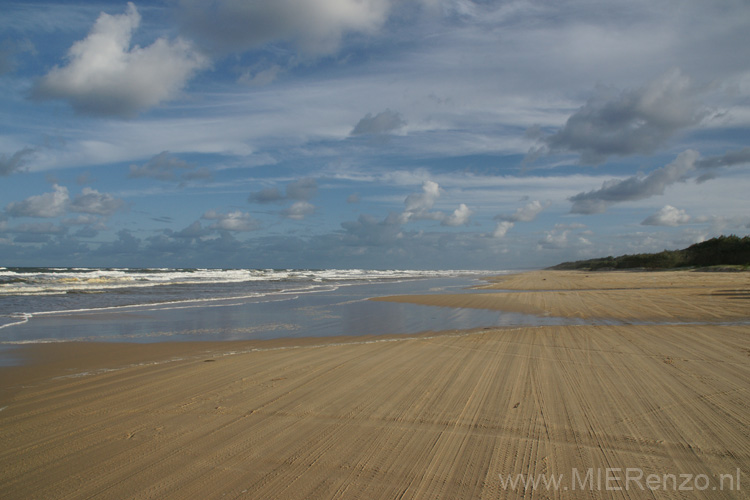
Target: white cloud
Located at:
point(526, 213)
point(459, 217)
point(502, 229)
point(105, 76)
point(44, 205)
point(418, 205)
point(298, 210)
point(667, 216)
point(232, 221)
point(554, 240)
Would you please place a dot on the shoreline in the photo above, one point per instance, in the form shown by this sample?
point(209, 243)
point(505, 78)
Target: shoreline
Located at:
point(436, 414)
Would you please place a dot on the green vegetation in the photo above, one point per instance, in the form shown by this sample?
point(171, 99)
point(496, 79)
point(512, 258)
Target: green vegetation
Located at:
point(727, 252)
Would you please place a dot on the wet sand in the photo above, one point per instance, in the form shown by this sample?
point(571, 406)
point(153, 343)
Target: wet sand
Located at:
point(677, 296)
point(437, 415)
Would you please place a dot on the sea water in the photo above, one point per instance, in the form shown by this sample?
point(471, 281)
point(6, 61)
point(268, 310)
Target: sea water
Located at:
point(149, 305)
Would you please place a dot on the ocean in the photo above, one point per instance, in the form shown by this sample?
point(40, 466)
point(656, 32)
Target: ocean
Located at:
point(152, 305)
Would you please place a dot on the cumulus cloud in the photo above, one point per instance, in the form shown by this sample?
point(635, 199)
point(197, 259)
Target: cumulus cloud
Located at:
point(58, 202)
point(563, 236)
point(369, 231)
point(44, 205)
point(502, 229)
point(667, 216)
point(298, 210)
point(526, 213)
point(105, 76)
point(459, 217)
point(91, 201)
point(636, 187)
point(383, 123)
point(15, 162)
point(233, 221)
point(316, 27)
point(630, 122)
point(418, 205)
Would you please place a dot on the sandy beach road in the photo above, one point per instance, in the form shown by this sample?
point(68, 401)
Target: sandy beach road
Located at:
point(631, 410)
point(439, 417)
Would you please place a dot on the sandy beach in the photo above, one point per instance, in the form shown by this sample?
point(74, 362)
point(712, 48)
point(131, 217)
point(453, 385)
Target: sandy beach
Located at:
point(611, 410)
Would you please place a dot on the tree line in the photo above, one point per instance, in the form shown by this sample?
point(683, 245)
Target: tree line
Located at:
point(721, 251)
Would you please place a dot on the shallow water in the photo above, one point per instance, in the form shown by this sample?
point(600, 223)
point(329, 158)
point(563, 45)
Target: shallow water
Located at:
point(340, 309)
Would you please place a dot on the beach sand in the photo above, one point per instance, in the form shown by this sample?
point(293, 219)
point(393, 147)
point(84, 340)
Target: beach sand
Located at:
point(625, 296)
point(439, 415)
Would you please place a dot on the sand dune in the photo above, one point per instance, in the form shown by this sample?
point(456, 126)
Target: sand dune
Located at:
point(427, 416)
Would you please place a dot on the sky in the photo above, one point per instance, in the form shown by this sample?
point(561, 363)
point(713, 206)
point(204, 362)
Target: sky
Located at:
point(380, 134)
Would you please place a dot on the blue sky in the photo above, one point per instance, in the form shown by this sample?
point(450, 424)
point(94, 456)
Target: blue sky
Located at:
point(369, 133)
